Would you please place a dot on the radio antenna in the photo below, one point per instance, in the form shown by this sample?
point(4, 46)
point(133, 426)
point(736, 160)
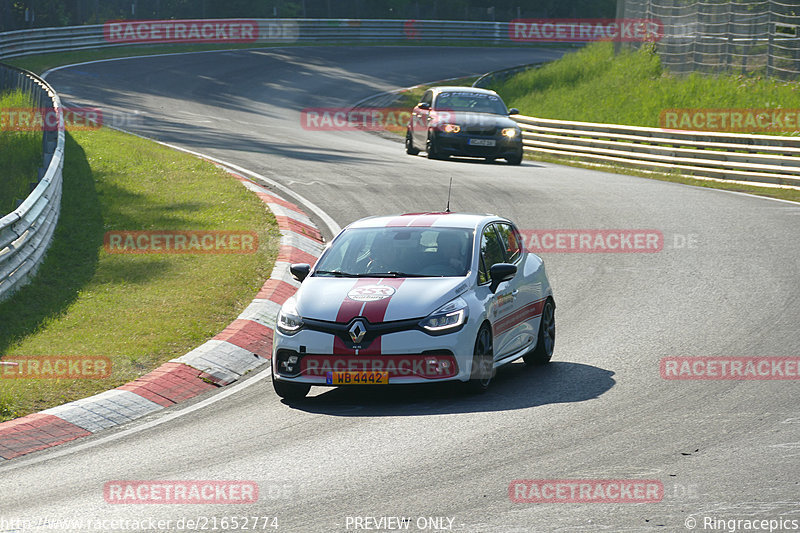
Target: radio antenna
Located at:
point(450, 188)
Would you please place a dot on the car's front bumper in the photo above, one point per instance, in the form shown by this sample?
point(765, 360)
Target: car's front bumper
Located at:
point(408, 357)
point(459, 144)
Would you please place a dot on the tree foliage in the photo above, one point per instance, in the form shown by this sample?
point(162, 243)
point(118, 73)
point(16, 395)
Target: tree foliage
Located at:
point(20, 14)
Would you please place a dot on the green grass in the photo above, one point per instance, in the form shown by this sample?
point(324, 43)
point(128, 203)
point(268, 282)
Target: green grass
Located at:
point(20, 153)
point(595, 86)
point(592, 85)
point(140, 310)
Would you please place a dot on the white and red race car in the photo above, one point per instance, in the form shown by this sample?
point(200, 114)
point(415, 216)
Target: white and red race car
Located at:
point(414, 298)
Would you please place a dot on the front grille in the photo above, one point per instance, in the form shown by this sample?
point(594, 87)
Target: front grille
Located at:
point(342, 330)
point(480, 130)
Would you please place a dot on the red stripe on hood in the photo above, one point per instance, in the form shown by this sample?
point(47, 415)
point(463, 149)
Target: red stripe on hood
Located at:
point(376, 311)
point(349, 309)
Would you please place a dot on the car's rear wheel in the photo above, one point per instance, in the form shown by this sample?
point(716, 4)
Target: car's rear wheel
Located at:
point(515, 159)
point(545, 344)
point(410, 150)
point(482, 362)
point(289, 390)
point(430, 149)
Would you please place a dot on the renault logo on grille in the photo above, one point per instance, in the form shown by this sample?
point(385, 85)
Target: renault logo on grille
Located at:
point(357, 331)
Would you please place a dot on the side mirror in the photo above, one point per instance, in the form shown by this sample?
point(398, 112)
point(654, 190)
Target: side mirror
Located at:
point(501, 272)
point(424, 105)
point(300, 271)
point(513, 111)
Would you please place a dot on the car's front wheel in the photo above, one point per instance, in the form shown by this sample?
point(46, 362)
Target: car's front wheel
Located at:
point(432, 151)
point(289, 390)
point(515, 159)
point(410, 150)
point(482, 362)
point(547, 337)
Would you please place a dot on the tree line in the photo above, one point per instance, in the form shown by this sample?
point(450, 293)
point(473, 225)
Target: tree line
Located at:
point(21, 14)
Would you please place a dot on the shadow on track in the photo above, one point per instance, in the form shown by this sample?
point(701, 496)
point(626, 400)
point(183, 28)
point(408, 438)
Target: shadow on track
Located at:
point(516, 386)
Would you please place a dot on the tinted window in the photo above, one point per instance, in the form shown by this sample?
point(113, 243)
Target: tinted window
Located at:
point(427, 98)
point(475, 102)
point(404, 250)
point(511, 242)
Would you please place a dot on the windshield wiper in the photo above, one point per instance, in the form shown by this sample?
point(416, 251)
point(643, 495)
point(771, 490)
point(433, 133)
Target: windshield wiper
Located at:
point(392, 274)
point(337, 273)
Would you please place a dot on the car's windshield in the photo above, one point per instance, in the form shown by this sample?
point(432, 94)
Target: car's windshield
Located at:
point(398, 252)
point(468, 101)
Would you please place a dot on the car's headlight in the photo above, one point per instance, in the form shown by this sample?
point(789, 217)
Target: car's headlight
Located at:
point(510, 132)
point(449, 316)
point(451, 128)
point(289, 320)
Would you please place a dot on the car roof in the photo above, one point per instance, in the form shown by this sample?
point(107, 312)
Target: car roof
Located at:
point(427, 219)
point(461, 89)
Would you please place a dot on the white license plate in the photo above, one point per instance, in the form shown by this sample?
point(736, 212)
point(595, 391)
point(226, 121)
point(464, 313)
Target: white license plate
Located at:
point(482, 142)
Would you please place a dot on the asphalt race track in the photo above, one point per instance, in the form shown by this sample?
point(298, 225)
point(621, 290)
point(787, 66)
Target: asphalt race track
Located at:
point(722, 449)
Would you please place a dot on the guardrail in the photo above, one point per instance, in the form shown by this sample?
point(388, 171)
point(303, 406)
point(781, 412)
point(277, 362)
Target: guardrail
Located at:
point(768, 159)
point(24, 42)
point(26, 232)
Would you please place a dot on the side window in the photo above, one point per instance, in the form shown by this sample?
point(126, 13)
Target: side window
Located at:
point(427, 98)
point(511, 242)
point(491, 252)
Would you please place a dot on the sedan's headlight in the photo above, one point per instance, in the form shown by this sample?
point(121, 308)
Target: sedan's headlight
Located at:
point(289, 320)
point(450, 316)
point(510, 132)
point(451, 128)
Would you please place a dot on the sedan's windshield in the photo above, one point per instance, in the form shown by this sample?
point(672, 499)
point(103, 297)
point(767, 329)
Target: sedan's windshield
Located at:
point(398, 252)
point(468, 101)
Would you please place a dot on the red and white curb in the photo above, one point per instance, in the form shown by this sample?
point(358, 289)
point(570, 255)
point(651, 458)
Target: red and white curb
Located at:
point(244, 345)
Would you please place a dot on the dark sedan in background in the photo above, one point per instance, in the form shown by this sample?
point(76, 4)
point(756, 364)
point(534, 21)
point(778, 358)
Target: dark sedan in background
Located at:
point(464, 121)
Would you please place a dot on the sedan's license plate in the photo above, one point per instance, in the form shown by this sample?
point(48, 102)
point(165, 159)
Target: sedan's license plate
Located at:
point(352, 377)
point(482, 142)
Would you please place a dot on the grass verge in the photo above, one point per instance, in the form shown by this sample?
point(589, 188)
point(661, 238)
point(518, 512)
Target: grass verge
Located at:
point(139, 310)
point(593, 85)
point(20, 153)
point(632, 88)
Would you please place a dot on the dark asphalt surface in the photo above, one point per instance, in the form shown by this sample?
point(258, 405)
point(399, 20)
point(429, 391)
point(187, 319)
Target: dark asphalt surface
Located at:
point(722, 449)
